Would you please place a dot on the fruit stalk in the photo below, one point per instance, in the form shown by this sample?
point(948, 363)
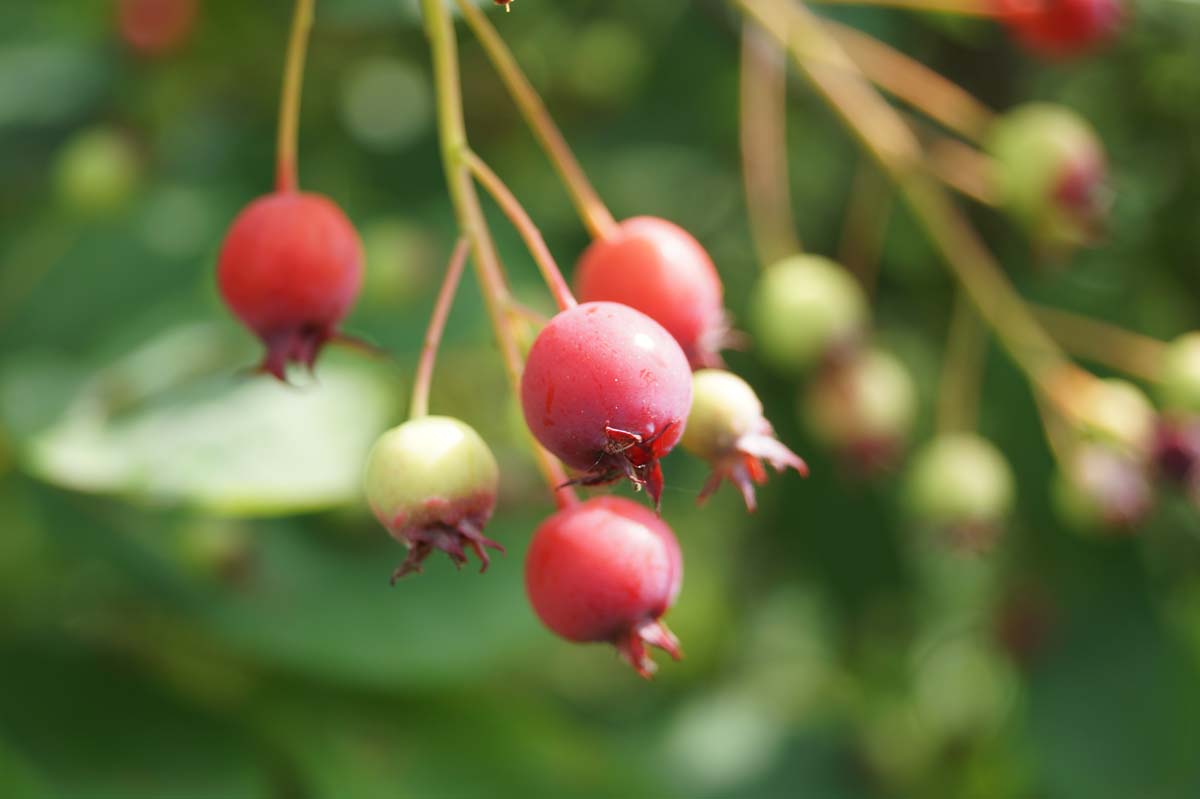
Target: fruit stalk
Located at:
point(289, 107)
point(591, 209)
point(970, 8)
point(763, 133)
point(884, 134)
point(452, 134)
point(433, 334)
point(962, 370)
point(864, 228)
point(529, 231)
point(1106, 344)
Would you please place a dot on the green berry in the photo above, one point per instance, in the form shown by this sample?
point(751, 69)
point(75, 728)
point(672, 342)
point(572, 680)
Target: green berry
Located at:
point(1117, 413)
point(1050, 172)
point(97, 172)
point(804, 307)
point(432, 483)
point(960, 482)
point(1103, 489)
point(1179, 385)
point(726, 427)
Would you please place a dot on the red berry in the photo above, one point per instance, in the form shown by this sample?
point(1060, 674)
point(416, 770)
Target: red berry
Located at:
point(155, 27)
point(606, 570)
point(1061, 28)
point(658, 268)
point(290, 269)
point(607, 390)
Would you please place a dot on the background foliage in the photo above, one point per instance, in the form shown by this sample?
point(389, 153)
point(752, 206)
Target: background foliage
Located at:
point(194, 601)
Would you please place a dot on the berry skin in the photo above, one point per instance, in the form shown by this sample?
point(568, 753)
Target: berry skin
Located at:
point(607, 390)
point(606, 570)
point(864, 408)
point(1179, 384)
point(1176, 451)
point(290, 268)
point(1061, 28)
point(155, 27)
point(658, 268)
point(961, 485)
point(1104, 489)
point(432, 483)
point(726, 428)
point(1116, 413)
point(1051, 174)
point(804, 309)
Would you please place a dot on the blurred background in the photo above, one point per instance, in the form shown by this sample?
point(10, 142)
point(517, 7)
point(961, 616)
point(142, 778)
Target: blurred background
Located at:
point(194, 600)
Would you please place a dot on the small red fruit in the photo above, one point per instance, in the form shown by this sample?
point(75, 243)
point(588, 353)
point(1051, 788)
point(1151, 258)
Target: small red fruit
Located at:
point(658, 268)
point(290, 269)
point(607, 390)
point(155, 27)
point(607, 570)
point(1061, 28)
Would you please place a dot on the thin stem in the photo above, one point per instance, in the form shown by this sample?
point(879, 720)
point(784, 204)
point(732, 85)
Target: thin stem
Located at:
point(595, 215)
point(865, 225)
point(289, 107)
point(962, 369)
point(763, 129)
point(529, 231)
point(914, 83)
point(433, 334)
point(1104, 343)
point(963, 168)
point(452, 134)
point(971, 8)
point(885, 136)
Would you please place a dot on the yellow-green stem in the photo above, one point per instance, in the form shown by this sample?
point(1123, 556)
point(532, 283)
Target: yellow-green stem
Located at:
point(763, 129)
point(962, 369)
point(437, 325)
point(452, 134)
point(286, 178)
point(592, 211)
point(1104, 343)
point(865, 225)
point(970, 8)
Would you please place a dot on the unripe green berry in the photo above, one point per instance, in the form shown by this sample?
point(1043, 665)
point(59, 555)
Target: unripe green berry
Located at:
point(960, 482)
point(1179, 384)
point(1050, 172)
point(804, 307)
point(97, 172)
point(726, 427)
point(1101, 488)
point(1117, 413)
point(432, 483)
point(864, 407)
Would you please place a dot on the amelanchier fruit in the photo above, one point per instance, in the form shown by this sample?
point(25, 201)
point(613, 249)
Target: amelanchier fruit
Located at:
point(727, 428)
point(658, 268)
point(606, 570)
point(607, 390)
point(1061, 28)
point(962, 486)
point(432, 483)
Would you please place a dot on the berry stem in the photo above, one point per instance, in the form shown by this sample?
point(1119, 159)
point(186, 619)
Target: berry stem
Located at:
point(516, 214)
point(1104, 343)
point(884, 134)
point(763, 130)
point(437, 325)
point(962, 369)
point(452, 134)
point(963, 168)
point(289, 107)
point(914, 83)
point(595, 215)
point(865, 226)
point(969, 8)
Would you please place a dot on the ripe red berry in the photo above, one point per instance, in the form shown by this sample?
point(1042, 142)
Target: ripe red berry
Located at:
point(1060, 28)
point(607, 390)
point(727, 428)
point(290, 269)
point(607, 570)
point(432, 483)
point(658, 268)
point(155, 27)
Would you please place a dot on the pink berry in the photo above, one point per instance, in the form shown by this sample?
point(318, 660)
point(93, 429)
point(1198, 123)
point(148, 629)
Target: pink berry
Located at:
point(658, 268)
point(290, 269)
point(1061, 28)
point(155, 27)
point(607, 570)
point(607, 390)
